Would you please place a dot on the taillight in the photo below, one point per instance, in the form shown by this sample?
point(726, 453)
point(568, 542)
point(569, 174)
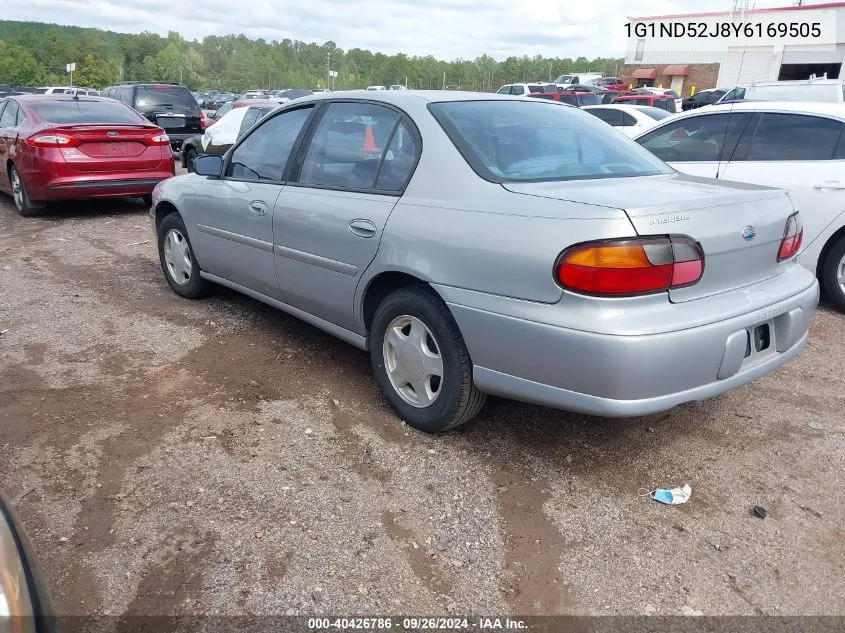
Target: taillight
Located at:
point(158, 139)
point(203, 120)
point(793, 235)
point(630, 266)
point(52, 140)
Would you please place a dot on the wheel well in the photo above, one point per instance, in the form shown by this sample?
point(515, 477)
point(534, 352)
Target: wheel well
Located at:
point(840, 234)
point(162, 210)
point(381, 286)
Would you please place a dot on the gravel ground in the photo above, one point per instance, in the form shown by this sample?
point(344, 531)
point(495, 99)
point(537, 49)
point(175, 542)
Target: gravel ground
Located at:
point(219, 457)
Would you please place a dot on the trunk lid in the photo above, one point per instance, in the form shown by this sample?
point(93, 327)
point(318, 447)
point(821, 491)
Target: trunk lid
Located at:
point(739, 226)
point(111, 148)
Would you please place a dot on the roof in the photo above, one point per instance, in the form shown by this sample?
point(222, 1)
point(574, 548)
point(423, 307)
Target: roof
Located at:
point(617, 106)
point(798, 107)
point(400, 97)
point(60, 96)
point(804, 7)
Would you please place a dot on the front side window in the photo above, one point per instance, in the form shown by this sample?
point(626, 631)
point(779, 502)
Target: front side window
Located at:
point(264, 154)
point(695, 139)
point(347, 147)
point(506, 141)
point(517, 90)
point(793, 137)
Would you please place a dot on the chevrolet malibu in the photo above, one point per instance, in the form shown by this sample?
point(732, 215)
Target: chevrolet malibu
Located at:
point(484, 244)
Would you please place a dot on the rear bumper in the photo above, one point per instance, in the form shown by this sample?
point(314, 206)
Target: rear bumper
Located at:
point(177, 138)
point(628, 375)
point(98, 187)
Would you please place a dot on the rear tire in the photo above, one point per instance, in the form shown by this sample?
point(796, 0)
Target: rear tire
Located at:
point(833, 274)
point(177, 260)
point(412, 339)
point(190, 157)
point(26, 207)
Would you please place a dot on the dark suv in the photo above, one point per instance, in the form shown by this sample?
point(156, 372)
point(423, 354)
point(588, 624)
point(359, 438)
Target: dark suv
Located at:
point(170, 106)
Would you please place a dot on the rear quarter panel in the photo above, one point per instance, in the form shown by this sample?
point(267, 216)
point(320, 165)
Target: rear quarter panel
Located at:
point(453, 228)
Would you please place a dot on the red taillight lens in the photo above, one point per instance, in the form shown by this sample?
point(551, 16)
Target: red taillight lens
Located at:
point(158, 139)
point(630, 267)
point(52, 140)
point(793, 235)
point(203, 120)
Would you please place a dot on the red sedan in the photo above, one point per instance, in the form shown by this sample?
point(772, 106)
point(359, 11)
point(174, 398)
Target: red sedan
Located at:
point(58, 147)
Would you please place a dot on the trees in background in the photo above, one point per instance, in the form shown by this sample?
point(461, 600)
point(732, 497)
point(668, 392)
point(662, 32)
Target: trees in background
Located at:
point(33, 53)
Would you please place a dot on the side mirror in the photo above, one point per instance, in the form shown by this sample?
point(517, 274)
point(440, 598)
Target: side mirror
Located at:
point(23, 595)
point(208, 166)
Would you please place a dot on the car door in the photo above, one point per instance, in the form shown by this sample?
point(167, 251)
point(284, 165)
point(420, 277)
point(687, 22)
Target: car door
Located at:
point(9, 115)
point(802, 153)
point(329, 219)
point(234, 213)
point(697, 144)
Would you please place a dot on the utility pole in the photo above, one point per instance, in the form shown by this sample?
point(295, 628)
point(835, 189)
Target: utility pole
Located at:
point(180, 75)
point(328, 70)
point(550, 69)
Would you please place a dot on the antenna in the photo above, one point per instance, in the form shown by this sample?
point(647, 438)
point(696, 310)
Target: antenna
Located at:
point(737, 4)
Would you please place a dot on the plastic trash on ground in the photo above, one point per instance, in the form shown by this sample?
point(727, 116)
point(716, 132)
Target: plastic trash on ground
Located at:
point(673, 496)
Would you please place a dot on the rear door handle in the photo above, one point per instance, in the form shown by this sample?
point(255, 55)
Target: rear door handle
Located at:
point(362, 228)
point(830, 184)
point(258, 207)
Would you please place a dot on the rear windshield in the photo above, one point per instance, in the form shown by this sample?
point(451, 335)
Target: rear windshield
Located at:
point(164, 95)
point(518, 141)
point(69, 111)
point(655, 113)
point(589, 99)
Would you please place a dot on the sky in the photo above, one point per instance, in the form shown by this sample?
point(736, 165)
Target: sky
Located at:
point(447, 29)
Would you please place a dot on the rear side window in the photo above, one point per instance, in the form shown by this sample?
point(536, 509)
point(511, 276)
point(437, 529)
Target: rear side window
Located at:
point(610, 116)
point(781, 137)
point(398, 161)
point(10, 115)
point(518, 141)
point(655, 113)
point(517, 90)
point(347, 147)
point(695, 139)
point(504, 90)
point(536, 89)
point(70, 111)
point(162, 95)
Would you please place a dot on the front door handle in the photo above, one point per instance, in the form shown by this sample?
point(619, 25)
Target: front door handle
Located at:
point(830, 184)
point(258, 207)
point(362, 228)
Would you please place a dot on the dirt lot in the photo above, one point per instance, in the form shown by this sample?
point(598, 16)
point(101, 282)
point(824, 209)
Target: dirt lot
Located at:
point(219, 457)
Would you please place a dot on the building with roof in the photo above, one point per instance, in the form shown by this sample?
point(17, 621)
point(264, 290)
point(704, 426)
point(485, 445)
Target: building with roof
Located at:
point(793, 42)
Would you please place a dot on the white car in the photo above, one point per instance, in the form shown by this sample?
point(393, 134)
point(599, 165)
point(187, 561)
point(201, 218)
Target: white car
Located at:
point(523, 89)
point(631, 120)
point(797, 146)
point(821, 90)
point(376, 88)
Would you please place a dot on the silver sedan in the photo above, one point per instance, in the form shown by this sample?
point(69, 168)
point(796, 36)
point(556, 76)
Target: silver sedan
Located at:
point(481, 244)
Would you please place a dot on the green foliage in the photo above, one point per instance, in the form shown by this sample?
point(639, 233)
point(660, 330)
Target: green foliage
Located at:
point(234, 62)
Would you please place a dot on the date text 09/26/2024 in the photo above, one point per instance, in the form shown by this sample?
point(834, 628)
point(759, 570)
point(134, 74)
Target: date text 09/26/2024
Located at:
point(416, 624)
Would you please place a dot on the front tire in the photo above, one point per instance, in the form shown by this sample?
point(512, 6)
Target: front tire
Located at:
point(177, 259)
point(421, 362)
point(23, 204)
point(833, 274)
